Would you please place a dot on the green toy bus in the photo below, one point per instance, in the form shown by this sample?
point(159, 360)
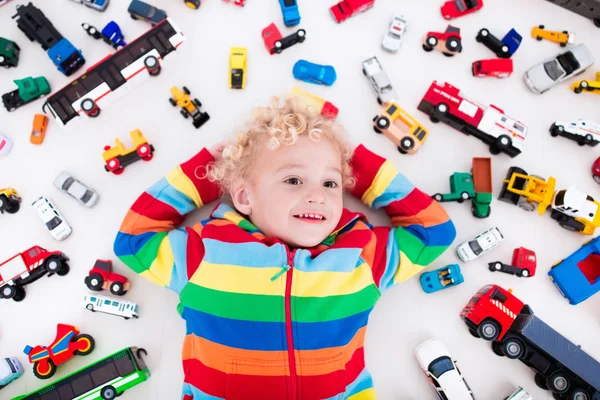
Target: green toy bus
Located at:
point(105, 379)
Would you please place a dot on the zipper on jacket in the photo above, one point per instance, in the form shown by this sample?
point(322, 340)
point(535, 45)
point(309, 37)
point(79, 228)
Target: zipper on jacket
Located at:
point(288, 322)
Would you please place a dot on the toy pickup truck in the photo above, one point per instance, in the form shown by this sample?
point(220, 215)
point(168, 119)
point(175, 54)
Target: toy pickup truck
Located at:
point(28, 90)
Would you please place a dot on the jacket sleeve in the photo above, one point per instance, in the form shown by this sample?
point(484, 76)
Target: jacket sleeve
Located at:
point(149, 241)
point(421, 228)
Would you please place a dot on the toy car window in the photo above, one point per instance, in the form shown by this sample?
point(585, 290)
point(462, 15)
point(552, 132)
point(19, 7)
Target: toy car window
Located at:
point(115, 303)
point(53, 395)
point(123, 60)
point(53, 223)
point(91, 81)
point(559, 199)
point(124, 366)
point(460, 5)
point(92, 299)
point(568, 61)
point(107, 302)
point(440, 366)
point(553, 70)
point(7, 47)
point(82, 384)
point(63, 108)
point(32, 253)
point(68, 183)
point(87, 196)
point(75, 91)
point(518, 127)
point(289, 3)
point(139, 47)
point(104, 374)
point(66, 392)
point(157, 45)
point(498, 296)
point(163, 39)
point(474, 245)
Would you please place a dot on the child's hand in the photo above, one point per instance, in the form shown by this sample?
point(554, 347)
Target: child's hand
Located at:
point(217, 150)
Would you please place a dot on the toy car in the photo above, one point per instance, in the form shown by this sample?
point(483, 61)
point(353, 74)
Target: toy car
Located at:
point(237, 67)
point(275, 43)
point(379, 80)
point(66, 183)
point(315, 103)
point(498, 67)
point(314, 73)
point(544, 76)
point(563, 38)
point(68, 343)
point(347, 8)
point(588, 86)
point(581, 131)
point(38, 130)
point(457, 8)
point(108, 305)
point(99, 5)
point(441, 278)
point(193, 4)
point(493, 43)
point(524, 263)
point(10, 369)
point(448, 42)
point(391, 123)
point(519, 394)
point(117, 158)
point(101, 277)
point(480, 244)
point(139, 10)
point(596, 170)
point(442, 371)
point(5, 145)
point(289, 9)
point(393, 38)
point(10, 201)
point(111, 34)
point(28, 90)
point(9, 53)
point(188, 107)
point(52, 218)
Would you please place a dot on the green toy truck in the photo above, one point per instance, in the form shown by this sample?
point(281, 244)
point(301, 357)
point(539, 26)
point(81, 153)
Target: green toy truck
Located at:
point(9, 53)
point(476, 186)
point(28, 90)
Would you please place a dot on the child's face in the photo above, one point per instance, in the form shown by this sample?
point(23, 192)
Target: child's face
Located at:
point(290, 182)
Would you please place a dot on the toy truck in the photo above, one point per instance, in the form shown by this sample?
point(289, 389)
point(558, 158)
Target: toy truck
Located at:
point(442, 278)
point(347, 8)
point(10, 201)
point(110, 34)
point(34, 24)
point(446, 103)
point(496, 67)
point(101, 277)
point(401, 128)
point(28, 90)
point(574, 210)
point(117, 158)
point(495, 314)
point(9, 53)
point(27, 267)
point(524, 263)
point(587, 85)
point(581, 131)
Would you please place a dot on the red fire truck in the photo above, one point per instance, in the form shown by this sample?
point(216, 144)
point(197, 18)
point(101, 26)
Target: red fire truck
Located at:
point(27, 267)
point(445, 103)
point(347, 8)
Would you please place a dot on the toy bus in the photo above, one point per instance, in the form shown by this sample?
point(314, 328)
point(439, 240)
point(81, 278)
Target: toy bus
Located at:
point(109, 305)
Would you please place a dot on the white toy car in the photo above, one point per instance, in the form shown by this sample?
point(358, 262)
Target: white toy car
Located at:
point(99, 5)
point(544, 76)
point(10, 369)
point(480, 244)
point(393, 38)
point(519, 394)
point(379, 80)
point(52, 218)
point(65, 182)
point(108, 305)
point(5, 145)
point(442, 371)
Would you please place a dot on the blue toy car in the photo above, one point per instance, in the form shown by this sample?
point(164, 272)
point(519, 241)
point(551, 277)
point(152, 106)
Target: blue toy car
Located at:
point(289, 9)
point(112, 35)
point(314, 73)
point(513, 40)
point(577, 277)
point(441, 278)
point(144, 11)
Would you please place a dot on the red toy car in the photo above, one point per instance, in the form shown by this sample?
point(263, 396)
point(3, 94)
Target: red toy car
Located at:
point(498, 67)
point(458, 8)
point(68, 343)
point(347, 8)
point(240, 3)
point(448, 42)
point(524, 263)
point(101, 277)
point(275, 43)
point(596, 170)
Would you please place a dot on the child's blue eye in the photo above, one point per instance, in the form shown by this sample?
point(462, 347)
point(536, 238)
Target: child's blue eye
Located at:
point(293, 181)
point(330, 184)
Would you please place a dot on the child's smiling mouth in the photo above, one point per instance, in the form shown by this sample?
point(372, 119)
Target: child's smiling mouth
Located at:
point(311, 217)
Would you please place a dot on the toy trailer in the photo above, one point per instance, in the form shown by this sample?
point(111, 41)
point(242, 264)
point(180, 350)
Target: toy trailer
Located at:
point(482, 182)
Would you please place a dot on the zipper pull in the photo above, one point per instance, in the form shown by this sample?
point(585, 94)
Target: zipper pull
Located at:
point(283, 271)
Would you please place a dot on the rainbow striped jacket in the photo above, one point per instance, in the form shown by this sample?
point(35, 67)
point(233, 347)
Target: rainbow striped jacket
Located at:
point(266, 322)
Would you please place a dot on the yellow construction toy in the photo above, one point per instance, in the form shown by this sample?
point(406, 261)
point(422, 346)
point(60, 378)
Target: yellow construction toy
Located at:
point(588, 86)
point(117, 158)
point(188, 107)
point(563, 38)
point(10, 201)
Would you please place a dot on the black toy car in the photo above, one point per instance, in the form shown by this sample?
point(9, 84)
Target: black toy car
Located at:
point(493, 43)
point(289, 41)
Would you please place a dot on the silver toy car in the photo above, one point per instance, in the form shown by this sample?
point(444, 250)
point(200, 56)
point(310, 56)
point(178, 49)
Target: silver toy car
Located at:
point(77, 190)
point(379, 80)
point(393, 37)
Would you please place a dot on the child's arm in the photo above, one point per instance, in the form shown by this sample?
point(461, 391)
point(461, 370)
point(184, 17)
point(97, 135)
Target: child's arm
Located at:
point(422, 229)
point(148, 240)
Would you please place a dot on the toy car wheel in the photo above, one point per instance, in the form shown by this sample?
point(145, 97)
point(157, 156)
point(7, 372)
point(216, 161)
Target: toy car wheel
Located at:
point(426, 48)
point(407, 144)
point(64, 270)
point(558, 382)
point(464, 196)
point(379, 101)
point(488, 330)
point(184, 113)
point(45, 370)
point(90, 108)
point(441, 108)
point(540, 381)
point(90, 307)
point(152, 65)
point(503, 141)
point(186, 90)
point(525, 205)
point(133, 16)
point(401, 150)
point(8, 291)
point(92, 30)
point(278, 47)
point(596, 178)
point(113, 165)
point(144, 150)
point(438, 197)
point(588, 139)
point(197, 103)
point(482, 33)
point(301, 35)
point(431, 41)
point(513, 348)
point(583, 85)
point(52, 265)
point(579, 394)
point(497, 349)
point(572, 225)
point(474, 333)
point(173, 102)
point(109, 392)
point(86, 344)
point(94, 282)
point(382, 123)
point(556, 130)
point(453, 44)
point(2, 59)
point(117, 288)
point(525, 273)
point(20, 295)
point(194, 5)
point(497, 266)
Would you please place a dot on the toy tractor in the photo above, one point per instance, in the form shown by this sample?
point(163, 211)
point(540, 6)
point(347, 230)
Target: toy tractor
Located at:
point(117, 158)
point(188, 107)
point(9, 201)
point(101, 277)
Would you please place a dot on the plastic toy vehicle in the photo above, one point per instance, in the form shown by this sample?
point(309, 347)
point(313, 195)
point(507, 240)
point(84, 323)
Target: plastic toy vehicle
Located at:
point(240, 3)
point(188, 107)
point(67, 344)
point(27, 267)
point(110, 34)
point(10, 369)
point(139, 10)
point(448, 42)
point(10, 201)
point(117, 158)
point(393, 121)
point(476, 185)
point(524, 263)
point(574, 210)
point(101, 277)
point(314, 73)
point(441, 278)
point(5, 145)
point(496, 315)
point(316, 103)
point(9, 53)
point(446, 103)
point(563, 38)
point(493, 43)
point(275, 43)
point(519, 394)
point(52, 218)
point(38, 130)
point(442, 372)
point(549, 73)
point(587, 9)
point(237, 67)
point(588, 86)
point(581, 131)
point(596, 170)
point(457, 8)
point(347, 8)
point(289, 9)
point(193, 4)
point(479, 245)
point(66, 183)
point(380, 82)
point(393, 38)
point(99, 5)
point(28, 90)
point(498, 67)
point(108, 305)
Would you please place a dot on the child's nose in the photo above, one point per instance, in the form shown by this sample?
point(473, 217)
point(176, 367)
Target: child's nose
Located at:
point(315, 196)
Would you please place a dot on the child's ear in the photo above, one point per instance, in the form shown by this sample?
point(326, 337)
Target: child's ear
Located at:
point(241, 199)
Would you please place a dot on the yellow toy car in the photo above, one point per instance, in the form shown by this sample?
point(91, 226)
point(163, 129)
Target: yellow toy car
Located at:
point(315, 104)
point(237, 67)
point(10, 201)
point(408, 141)
point(589, 86)
point(117, 158)
point(563, 38)
point(188, 107)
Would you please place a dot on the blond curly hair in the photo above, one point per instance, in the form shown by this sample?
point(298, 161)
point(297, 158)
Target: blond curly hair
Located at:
point(280, 124)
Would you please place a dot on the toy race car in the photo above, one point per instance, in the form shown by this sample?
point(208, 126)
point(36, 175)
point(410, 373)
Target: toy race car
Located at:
point(289, 9)
point(9, 53)
point(524, 263)
point(448, 42)
point(588, 86)
point(188, 107)
point(67, 344)
point(563, 38)
point(237, 67)
point(457, 8)
point(5, 145)
point(314, 73)
point(101, 277)
point(442, 278)
point(117, 158)
point(502, 48)
point(28, 90)
point(139, 10)
point(110, 34)
point(495, 67)
point(409, 138)
point(393, 38)
point(10, 201)
point(275, 43)
point(581, 131)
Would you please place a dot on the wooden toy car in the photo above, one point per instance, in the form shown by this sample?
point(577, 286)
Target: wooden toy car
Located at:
point(401, 128)
point(110, 34)
point(596, 170)
point(188, 108)
point(10, 369)
point(289, 9)
point(448, 42)
point(457, 8)
point(117, 158)
point(563, 38)
point(588, 86)
point(480, 244)
point(315, 103)
point(66, 183)
point(275, 43)
point(101, 277)
point(380, 82)
point(68, 343)
point(524, 263)
point(314, 73)
point(28, 90)
point(581, 131)
point(193, 4)
point(53, 220)
point(5, 145)
point(10, 201)
point(108, 305)
point(9, 53)
point(442, 278)
point(139, 10)
point(347, 8)
point(498, 67)
point(237, 67)
point(38, 130)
